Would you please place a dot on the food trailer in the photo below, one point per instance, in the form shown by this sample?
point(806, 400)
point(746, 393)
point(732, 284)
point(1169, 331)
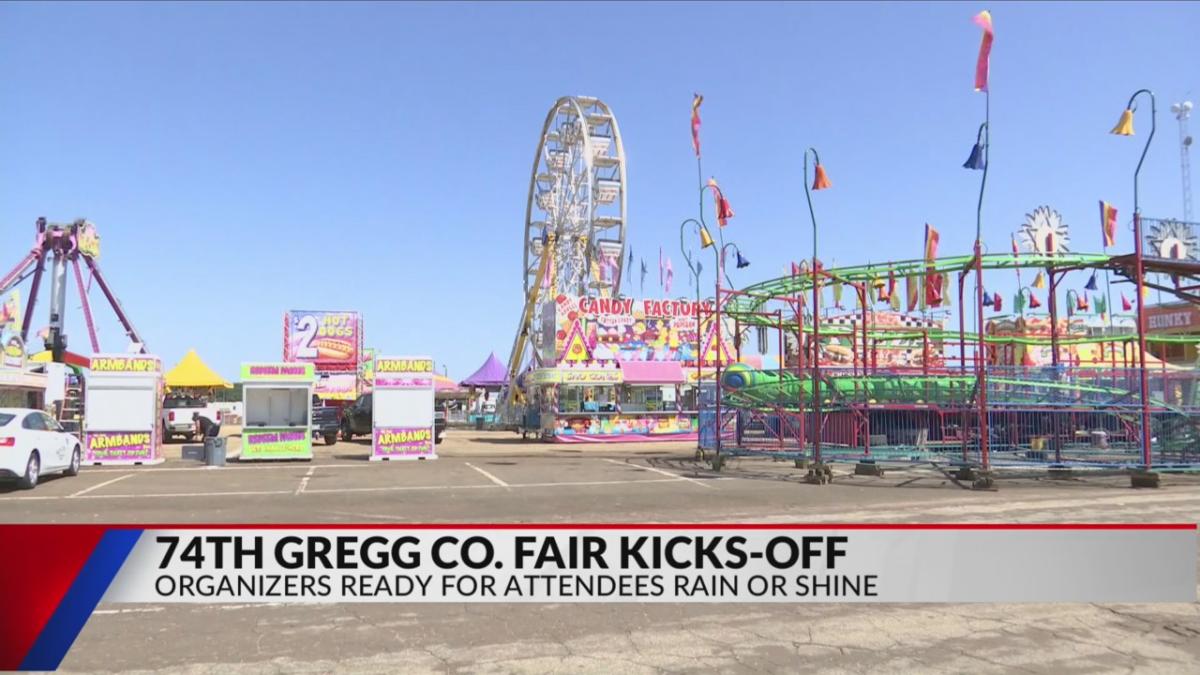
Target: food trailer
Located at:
point(402, 416)
point(123, 404)
point(619, 369)
point(276, 408)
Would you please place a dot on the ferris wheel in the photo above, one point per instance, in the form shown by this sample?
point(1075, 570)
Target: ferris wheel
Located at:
point(575, 220)
point(577, 192)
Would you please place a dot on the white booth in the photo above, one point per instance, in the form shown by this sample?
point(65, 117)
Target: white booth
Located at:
point(122, 407)
point(402, 408)
point(276, 408)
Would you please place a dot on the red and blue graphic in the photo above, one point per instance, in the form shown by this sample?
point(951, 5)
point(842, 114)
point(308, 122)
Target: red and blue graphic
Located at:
point(51, 578)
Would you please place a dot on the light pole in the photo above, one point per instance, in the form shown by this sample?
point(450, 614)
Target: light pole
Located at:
point(820, 182)
point(1125, 128)
point(706, 240)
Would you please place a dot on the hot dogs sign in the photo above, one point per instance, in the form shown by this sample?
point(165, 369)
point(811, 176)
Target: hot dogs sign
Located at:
point(330, 339)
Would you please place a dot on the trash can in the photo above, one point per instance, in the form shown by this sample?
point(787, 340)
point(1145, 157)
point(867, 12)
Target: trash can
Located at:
point(214, 451)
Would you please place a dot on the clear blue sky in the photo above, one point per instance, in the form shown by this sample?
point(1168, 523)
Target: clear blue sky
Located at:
point(241, 160)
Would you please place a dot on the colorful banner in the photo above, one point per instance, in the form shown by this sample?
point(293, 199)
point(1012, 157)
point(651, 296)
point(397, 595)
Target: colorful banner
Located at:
point(331, 339)
point(576, 376)
point(404, 442)
point(596, 332)
point(275, 444)
point(631, 427)
point(252, 372)
point(118, 446)
point(125, 364)
point(403, 373)
point(337, 387)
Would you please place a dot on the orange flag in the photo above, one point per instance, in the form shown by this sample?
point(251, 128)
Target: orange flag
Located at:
point(724, 210)
point(1108, 223)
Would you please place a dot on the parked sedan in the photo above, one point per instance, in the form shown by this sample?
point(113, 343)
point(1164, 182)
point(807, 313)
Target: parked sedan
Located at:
point(33, 444)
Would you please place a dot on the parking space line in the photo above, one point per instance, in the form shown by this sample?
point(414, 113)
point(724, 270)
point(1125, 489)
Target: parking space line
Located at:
point(660, 471)
point(490, 477)
point(99, 485)
point(304, 481)
point(277, 466)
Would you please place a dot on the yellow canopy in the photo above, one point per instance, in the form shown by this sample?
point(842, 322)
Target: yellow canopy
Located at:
point(192, 372)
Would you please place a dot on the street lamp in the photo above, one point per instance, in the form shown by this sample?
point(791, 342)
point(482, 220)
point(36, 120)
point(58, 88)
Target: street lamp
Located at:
point(820, 182)
point(1125, 128)
point(706, 241)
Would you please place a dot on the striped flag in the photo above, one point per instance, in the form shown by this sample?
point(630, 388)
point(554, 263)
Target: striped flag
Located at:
point(724, 210)
point(931, 243)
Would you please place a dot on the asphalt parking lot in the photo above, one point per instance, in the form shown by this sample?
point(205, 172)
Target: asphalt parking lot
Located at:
point(493, 477)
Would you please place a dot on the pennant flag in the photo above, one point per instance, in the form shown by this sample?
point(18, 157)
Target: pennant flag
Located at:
point(986, 300)
point(1091, 283)
point(922, 300)
point(912, 292)
point(1019, 303)
point(1034, 303)
point(724, 210)
point(894, 298)
point(697, 99)
point(742, 262)
point(984, 21)
point(1108, 223)
point(931, 243)
point(670, 276)
point(1081, 303)
point(643, 293)
point(629, 267)
point(998, 302)
point(891, 285)
point(1126, 305)
point(945, 297)
point(795, 270)
point(1101, 305)
point(933, 290)
point(837, 295)
point(661, 269)
point(820, 179)
point(1040, 280)
point(1016, 253)
point(44, 333)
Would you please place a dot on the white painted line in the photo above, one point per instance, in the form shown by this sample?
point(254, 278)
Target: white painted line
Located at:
point(659, 471)
point(245, 493)
point(489, 476)
point(400, 488)
point(99, 485)
point(273, 466)
point(304, 481)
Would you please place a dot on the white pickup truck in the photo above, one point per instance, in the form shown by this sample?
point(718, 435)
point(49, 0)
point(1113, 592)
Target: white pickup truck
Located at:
point(177, 413)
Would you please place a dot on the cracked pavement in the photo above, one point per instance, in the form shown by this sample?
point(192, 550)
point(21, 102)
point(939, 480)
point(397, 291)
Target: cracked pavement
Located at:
point(618, 638)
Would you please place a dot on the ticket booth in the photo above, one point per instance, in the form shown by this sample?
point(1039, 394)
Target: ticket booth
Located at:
point(122, 408)
point(402, 418)
point(276, 409)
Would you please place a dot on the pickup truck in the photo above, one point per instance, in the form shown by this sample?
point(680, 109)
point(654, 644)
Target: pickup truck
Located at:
point(325, 421)
point(357, 420)
point(177, 413)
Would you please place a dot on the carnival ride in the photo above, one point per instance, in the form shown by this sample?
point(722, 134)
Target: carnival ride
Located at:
point(575, 220)
point(1080, 409)
point(63, 244)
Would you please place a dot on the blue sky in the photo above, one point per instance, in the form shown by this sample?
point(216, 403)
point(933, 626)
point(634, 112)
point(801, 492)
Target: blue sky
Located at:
point(241, 160)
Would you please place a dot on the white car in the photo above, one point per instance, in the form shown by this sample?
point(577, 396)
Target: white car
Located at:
point(33, 444)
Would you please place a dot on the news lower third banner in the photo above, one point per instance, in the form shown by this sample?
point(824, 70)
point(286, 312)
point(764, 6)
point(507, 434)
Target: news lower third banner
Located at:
point(78, 566)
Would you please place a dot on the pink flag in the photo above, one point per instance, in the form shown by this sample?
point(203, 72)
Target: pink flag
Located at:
point(670, 276)
point(984, 21)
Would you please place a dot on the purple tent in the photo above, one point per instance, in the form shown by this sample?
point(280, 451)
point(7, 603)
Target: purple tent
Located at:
point(491, 374)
